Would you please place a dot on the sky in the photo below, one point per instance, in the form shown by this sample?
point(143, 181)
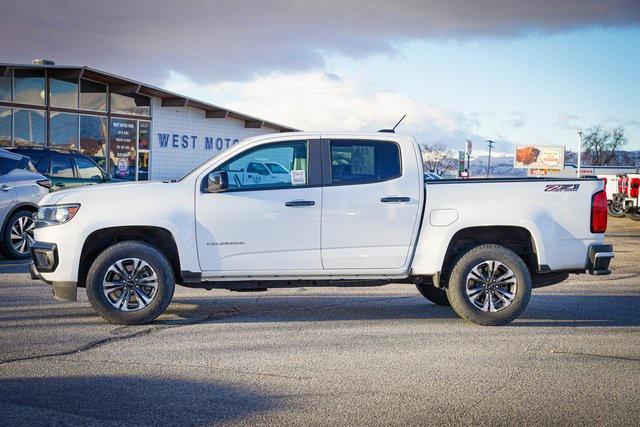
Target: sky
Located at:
point(516, 71)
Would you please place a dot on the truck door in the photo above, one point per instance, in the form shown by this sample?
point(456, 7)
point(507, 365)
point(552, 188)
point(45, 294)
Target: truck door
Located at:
point(263, 226)
point(370, 204)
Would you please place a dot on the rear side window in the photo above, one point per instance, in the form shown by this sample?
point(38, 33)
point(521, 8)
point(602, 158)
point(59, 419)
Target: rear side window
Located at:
point(7, 165)
point(354, 162)
point(61, 167)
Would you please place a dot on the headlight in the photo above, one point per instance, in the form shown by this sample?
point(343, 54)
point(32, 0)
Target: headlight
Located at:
point(56, 214)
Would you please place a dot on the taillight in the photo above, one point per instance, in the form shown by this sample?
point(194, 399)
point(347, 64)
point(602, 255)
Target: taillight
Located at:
point(599, 212)
point(634, 187)
point(44, 183)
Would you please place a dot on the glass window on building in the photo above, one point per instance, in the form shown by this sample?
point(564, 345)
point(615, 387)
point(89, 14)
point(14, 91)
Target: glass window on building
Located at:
point(93, 96)
point(63, 93)
point(122, 149)
point(93, 139)
point(6, 123)
point(28, 127)
point(28, 86)
point(6, 88)
point(143, 166)
point(130, 104)
point(63, 130)
point(144, 129)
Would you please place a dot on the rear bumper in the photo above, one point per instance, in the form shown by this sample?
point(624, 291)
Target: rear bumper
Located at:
point(599, 258)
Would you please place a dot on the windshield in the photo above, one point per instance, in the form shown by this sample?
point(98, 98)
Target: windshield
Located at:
point(276, 168)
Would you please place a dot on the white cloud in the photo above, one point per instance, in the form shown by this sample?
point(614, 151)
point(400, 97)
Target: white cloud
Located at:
point(321, 101)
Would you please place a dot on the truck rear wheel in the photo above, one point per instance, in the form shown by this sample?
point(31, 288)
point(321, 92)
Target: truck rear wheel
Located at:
point(489, 285)
point(130, 283)
point(436, 295)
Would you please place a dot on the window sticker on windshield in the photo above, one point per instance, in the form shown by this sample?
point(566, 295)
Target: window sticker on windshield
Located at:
point(298, 177)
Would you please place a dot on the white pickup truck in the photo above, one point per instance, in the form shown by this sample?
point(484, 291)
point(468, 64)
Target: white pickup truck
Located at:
point(355, 211)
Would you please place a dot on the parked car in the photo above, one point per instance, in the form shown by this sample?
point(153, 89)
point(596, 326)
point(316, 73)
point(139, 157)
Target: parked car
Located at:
point(21, 188)
point(354, 212)
point(263, 173)
point(430, 176)
point(65, 168)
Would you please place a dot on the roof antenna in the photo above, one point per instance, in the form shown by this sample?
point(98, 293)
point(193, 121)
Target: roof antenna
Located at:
point(394, 128)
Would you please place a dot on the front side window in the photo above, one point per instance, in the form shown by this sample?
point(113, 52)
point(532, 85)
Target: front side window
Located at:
point(61, 166)
point(253, 169)
point(87, 169)
point(354, 162)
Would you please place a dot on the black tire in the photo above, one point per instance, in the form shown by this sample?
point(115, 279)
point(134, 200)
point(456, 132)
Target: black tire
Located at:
point(159, 264)
point(436, 295)
point(615, 211)
point(634, 214)
point(6, 248)
point(457, 288)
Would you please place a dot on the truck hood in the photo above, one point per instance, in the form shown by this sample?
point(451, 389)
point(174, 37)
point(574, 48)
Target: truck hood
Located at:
point(121, 192)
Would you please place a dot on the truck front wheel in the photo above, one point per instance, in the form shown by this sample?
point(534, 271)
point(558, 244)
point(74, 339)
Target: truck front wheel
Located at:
point(489, 285)
point(130, 283)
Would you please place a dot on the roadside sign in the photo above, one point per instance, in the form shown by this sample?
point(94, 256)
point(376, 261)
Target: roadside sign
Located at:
point(539, 157)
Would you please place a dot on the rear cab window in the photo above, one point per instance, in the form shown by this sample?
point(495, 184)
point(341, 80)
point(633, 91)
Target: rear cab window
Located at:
point(362, 161)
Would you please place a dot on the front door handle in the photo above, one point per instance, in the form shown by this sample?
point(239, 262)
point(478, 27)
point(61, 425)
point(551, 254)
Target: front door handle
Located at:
point(300, 203)
point(395, 199)
point(5, 188)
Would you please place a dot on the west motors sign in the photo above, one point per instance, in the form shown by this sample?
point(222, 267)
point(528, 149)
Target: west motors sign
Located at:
point(193, 142)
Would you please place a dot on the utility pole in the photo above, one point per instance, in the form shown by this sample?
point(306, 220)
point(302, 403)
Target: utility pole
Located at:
point(579, 149)
point(490, 147)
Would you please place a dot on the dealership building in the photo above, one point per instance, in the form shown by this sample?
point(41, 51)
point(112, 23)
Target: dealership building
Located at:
point(134, 130)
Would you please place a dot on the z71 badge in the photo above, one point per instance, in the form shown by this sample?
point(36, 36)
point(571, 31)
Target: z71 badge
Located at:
point(562, 187)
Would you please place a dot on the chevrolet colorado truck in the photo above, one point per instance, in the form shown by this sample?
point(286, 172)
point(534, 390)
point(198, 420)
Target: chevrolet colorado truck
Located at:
point(354, 211)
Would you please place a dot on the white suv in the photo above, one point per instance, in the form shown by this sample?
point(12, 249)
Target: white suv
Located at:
point(21, 188)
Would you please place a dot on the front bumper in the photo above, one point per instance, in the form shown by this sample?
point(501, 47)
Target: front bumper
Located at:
point(599, 258)
point(45, 260)
point(44, 256)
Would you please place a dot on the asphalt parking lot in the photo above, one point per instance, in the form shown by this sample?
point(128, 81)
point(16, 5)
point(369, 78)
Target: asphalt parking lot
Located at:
point(327, 356)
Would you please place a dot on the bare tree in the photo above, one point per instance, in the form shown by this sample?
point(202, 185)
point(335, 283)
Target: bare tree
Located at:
point(601, 144)
point(438, 159)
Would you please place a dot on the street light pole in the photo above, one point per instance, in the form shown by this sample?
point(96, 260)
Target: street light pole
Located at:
point(579, 150)
point(489, 164)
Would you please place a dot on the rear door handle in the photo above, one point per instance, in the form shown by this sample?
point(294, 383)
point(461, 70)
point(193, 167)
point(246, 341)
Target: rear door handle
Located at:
point(5, 188)
point(395, 199)
point(300, 203)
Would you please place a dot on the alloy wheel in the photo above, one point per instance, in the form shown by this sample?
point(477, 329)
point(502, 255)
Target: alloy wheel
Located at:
point(22, 234)
point(491, 286)
point(130, 284)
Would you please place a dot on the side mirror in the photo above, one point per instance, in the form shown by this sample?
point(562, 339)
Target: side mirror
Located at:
point(217, 182)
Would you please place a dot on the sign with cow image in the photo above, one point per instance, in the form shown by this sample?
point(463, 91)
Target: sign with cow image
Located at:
point(539, 157)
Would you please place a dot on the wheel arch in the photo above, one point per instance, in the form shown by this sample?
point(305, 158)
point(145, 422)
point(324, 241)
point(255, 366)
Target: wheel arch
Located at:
point(20, 206)
point(100, 239)
point(517, 238)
